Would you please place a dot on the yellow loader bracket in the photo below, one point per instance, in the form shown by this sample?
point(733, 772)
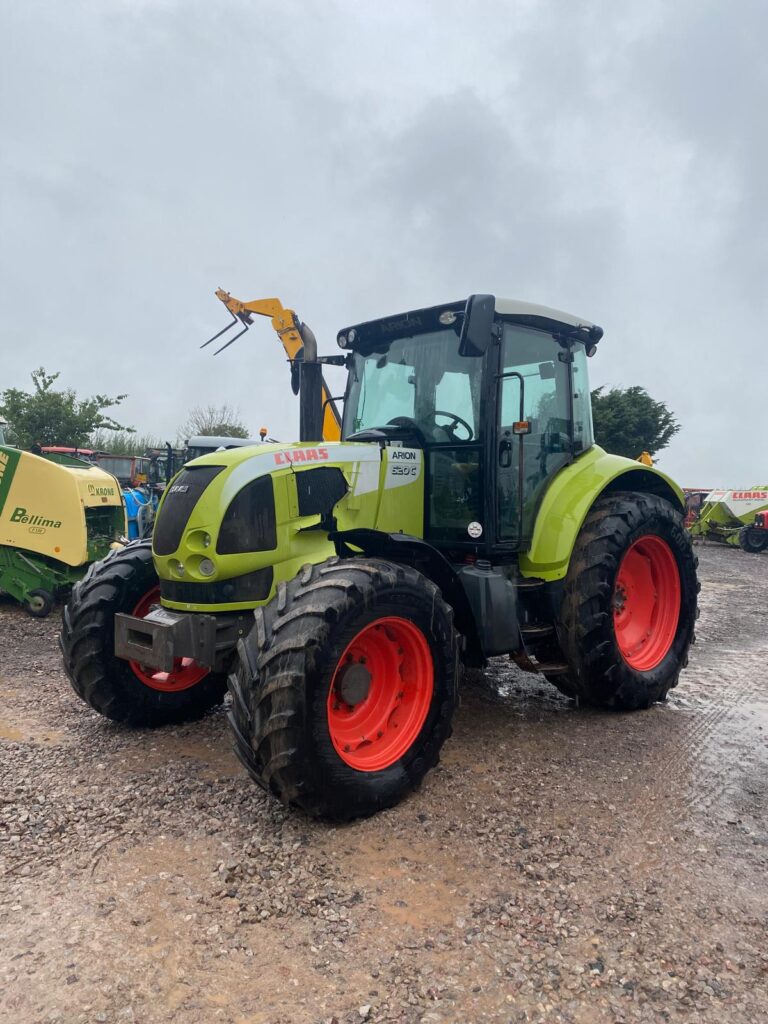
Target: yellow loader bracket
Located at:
point(292, 333)
point(284, 321)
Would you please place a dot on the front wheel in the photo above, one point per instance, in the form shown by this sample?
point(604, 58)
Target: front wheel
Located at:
point(753, 539)
point(630, 605)
point(126, 691)
point(345, 687)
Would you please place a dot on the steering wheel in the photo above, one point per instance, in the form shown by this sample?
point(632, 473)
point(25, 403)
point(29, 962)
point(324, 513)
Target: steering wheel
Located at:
point(455, 421)
point(407, 423)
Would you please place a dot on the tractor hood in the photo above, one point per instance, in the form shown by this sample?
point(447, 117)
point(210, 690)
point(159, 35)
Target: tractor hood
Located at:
point(232, 523)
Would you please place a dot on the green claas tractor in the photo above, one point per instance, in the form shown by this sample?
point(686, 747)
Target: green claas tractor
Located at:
point(339, 586)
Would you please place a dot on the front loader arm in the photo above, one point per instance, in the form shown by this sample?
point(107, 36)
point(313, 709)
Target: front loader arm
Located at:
point(287, 326)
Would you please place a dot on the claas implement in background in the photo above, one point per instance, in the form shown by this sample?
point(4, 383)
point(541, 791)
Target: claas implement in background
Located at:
point(338, 586)
point(54, 520)
point(734, 517)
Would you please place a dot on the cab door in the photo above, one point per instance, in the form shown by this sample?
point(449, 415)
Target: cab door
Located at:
point(534, 429)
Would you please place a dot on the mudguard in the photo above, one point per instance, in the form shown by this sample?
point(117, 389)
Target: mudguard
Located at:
point(569, 498)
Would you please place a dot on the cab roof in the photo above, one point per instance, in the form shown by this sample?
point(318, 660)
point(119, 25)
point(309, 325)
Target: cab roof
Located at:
point(526, 310)
point(528, 313)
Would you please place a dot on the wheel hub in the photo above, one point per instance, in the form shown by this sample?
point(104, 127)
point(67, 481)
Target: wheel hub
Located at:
point(354, 683)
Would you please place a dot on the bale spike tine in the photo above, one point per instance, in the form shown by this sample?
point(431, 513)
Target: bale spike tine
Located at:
point(231, 340)
point(222, 331)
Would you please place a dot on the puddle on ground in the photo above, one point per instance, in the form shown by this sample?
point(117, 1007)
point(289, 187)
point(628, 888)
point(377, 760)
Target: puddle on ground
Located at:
point(683, 702)
point(525, 694)
point(21, 732)
point(414, 888)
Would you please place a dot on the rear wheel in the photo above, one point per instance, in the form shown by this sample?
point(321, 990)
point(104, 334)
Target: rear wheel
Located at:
point(753, 539)
point(345, 687)
point(630, 606)
point(125, 691)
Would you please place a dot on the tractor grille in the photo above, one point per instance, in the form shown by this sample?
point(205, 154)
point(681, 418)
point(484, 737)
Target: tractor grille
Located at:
point(181, 497)
point(249, 523)
point(253, 586)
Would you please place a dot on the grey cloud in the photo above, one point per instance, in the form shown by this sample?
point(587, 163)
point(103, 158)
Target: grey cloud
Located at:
point(359, 159)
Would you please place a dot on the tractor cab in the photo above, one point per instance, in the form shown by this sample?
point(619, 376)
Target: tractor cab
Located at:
point(494, 392)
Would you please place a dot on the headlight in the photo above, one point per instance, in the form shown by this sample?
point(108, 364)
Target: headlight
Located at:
point(176, 567)
point(206, 567)
point(198, 540)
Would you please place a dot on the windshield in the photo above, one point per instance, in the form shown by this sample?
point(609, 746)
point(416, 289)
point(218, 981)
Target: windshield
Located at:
point(421, 381)
point(121, 467)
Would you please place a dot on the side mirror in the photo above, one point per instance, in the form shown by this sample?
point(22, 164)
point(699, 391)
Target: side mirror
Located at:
point(475, 335)
point(295, 365)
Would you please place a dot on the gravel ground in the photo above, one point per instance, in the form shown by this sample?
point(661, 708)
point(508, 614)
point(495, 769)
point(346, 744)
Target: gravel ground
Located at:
point(561, 865)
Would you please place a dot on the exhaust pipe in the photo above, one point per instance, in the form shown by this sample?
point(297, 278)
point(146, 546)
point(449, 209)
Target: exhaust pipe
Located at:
point(310, 390)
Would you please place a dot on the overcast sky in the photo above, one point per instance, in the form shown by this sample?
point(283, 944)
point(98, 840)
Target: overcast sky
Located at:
point(359, 159)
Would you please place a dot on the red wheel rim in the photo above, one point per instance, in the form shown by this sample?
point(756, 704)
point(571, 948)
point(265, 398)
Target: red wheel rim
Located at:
point(646, 603)
point(185, 672)
point(380, 694)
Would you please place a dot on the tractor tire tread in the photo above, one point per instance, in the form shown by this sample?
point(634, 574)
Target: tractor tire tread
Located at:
point(598, 674)
point(103, 681)
point(268, 712)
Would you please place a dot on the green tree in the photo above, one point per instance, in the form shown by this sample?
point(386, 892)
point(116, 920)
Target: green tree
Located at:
point(628, 421)
point(47, 416)
point(213, 421)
